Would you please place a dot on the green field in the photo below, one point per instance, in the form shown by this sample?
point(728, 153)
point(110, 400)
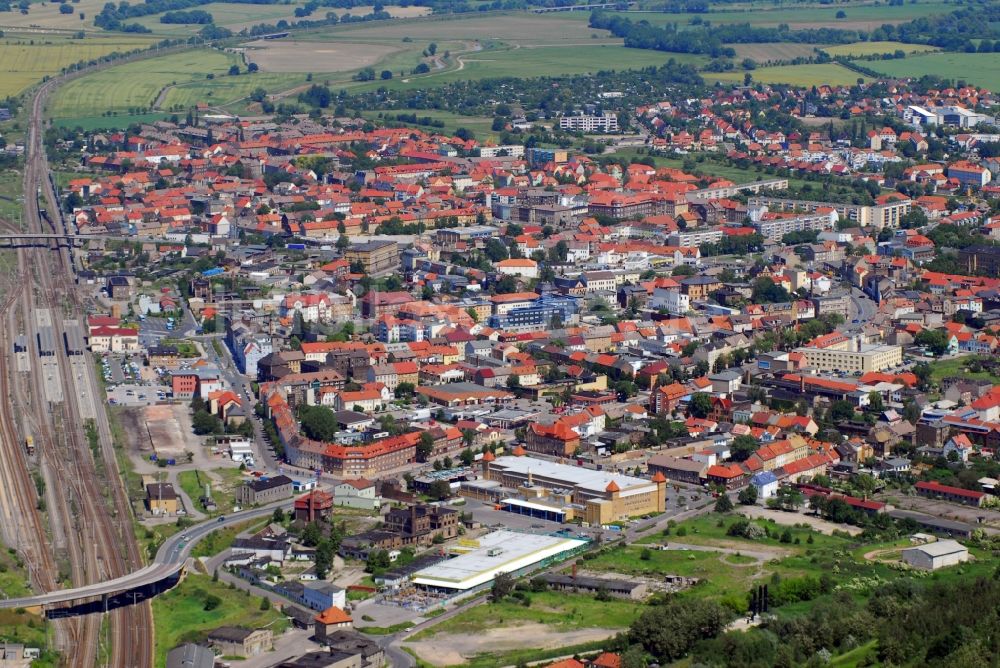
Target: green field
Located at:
point(180, 614)
point(11, 187)
point(876, 48)
point(708, 167)
point(865, 17)
point(957, 366)
point(234, 16)
point(222, 539)
point(27, 58)
point(135, 87)
point(796, 75)
point(559, 610)
point(480, 125)
point(980, 69)
point(193, 485)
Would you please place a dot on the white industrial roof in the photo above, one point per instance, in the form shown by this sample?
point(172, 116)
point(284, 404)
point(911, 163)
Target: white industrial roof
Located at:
point(577, 476)
point(498, 552)
point(940, 548)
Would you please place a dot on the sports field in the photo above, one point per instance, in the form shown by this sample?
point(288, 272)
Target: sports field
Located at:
point(876, 48)
point(26, 58)
point(178, 79)
point(982, 69)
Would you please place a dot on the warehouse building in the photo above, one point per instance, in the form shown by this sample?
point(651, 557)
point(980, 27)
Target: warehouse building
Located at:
point(552, 491)
point(494, 553)
point(933, 556)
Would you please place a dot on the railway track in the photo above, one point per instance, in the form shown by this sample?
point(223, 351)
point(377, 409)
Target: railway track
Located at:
point(91, 507)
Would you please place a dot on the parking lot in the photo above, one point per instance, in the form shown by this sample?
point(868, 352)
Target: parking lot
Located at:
point(134, 394)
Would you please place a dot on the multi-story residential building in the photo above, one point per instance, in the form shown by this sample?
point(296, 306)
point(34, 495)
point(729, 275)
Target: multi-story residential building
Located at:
point(376, 257)
point(264, 490)
point(248, 348)
point(697, 237)
point(775, 228)
point(969, 174)
point(860, 359)
point(604, 123)
point(882, 214)
point(543, 312)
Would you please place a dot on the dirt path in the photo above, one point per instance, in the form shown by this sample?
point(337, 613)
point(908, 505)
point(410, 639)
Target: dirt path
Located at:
point(454, 649)
point(782, 517)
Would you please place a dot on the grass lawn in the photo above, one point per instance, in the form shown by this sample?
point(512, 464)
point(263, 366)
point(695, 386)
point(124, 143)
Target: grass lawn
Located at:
point(562, 611)
point(500, 659)
point(481, 125)
point(116, 122)
point(876, 48)
point(859, 656)
point(956, 366)
point(193, 484)
point(982, 69)
point(796, 75)
point(27, 57)
point(180, 615)
point(709, 167)
point(221, 539)
point(11, 187)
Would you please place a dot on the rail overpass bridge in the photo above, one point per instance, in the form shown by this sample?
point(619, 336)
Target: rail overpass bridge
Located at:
point(162, 574)
point(14, 239)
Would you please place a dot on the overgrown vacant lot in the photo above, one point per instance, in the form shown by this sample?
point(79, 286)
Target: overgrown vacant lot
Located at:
point(26, 58)
point(197, 605)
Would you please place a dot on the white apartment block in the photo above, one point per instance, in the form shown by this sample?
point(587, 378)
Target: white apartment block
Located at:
point(605, 123)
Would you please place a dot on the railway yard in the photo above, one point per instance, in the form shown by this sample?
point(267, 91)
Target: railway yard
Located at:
point(85, 534)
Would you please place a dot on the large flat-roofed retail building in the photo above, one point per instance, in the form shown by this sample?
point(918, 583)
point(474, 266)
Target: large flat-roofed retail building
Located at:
point(598, 497)
point(497, 552)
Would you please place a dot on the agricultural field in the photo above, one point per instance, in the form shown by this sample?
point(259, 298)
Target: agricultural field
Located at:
point(859, 16)
point(47, 15)
point(289, 55)
point(235, 16)
point(775, 51)
point(177, 80)
point(520, 28)
point(27, 58)
point(478, 47)
point(198, 605)
point(860, 49)
point(979, 69)
point(796, 75)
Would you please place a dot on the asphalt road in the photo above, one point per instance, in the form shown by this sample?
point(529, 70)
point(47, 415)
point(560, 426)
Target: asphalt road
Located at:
point(169, 559)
